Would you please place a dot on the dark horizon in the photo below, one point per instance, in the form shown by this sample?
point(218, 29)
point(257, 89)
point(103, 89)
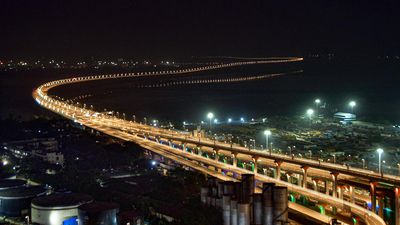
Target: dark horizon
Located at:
point(129, 29)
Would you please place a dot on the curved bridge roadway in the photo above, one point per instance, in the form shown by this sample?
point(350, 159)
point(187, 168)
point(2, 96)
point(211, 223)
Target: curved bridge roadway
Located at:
point(131, 131)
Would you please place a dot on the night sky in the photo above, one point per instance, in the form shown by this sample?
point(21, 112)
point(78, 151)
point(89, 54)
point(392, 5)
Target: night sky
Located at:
point(158, 29)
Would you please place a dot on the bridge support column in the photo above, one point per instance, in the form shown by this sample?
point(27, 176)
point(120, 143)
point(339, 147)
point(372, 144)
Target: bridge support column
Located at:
point(216, 155)
point(341, 190)
point(373, 196)
point(334, 183)
point(199, 151)
point(315, 185)
point(169, 142)
point(304, 169)
point(326, 188)
point(234, 159)
point(298, 179)
point(351, 189)
point(184, 147)
point(255, 171)
point(397, 206)
point(278, 169)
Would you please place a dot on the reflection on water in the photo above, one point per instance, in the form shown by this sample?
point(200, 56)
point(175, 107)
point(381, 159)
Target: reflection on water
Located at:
point(252, 93)
point(216, 80)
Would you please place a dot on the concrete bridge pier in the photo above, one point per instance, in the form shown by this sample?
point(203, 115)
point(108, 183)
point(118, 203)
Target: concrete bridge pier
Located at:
point(267, 196)
point(216, 155)
point(304, 169)
point(373, 196)
point(234, 159)
point(351, 189)
point(381, 205)
point(199, 152)
point(184, 147)
point(334, 183)
point(289, 176)
point(243, 213)
point(326, 187)
point(341, 192)
point(278, 169)
point(315, 184)
point(298, 180)
point(169, 143)
point(255, 165)
point(226, 209)
point(234, 212)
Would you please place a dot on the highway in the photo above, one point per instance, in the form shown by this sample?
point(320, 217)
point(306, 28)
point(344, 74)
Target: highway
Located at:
point(131, 131)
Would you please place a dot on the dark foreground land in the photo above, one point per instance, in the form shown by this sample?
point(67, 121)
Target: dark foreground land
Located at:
point(92, 163)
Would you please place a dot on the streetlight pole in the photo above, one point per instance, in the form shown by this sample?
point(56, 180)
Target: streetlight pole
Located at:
point(363, 163)
point(310, 112)
point(254, 143)
point(380, 151)
point(398, 164)
point(317, 101)
point(267, 133)
point(210, 116)
point(352, 104)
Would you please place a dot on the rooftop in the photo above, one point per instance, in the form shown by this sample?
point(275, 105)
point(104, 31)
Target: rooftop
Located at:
point(22, 192)
point(11, 183)
point(98, 206)
point(62, 200)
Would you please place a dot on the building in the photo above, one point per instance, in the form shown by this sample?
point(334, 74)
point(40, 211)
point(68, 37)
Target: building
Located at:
point(58, 209)
point(16, 196)
point(99, 213)
point(344, 117)
point(131, 217)
point(51, 157)
point(11, 183)
point(29, 147)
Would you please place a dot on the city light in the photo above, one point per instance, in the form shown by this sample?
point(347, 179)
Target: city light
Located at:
point(352, 104)
point(317, 101)
point(229, 120)
point(241, 119)
point(310, 112)
point(5, 162)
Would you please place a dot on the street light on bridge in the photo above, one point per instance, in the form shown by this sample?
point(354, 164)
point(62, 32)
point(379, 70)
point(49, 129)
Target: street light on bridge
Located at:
point(267, 134)
point(380, 151)
point(310, 112)
point(210, 115)
point(317, 101)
